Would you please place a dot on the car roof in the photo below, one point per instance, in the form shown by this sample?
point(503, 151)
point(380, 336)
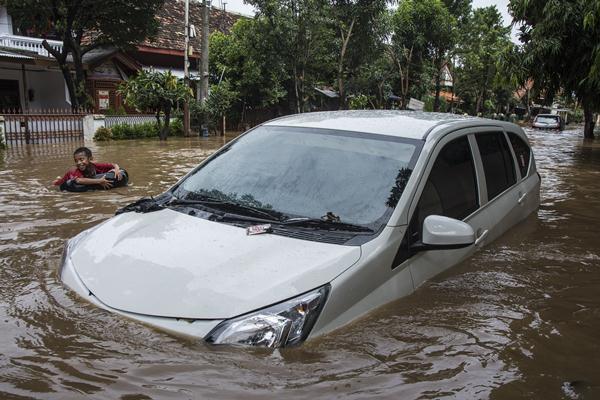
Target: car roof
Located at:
point(408, 124)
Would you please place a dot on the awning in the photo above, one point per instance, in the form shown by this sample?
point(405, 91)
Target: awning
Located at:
point(327, 92)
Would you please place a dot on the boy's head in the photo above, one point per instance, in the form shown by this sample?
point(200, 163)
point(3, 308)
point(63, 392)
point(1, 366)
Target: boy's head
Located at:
point(82, 157)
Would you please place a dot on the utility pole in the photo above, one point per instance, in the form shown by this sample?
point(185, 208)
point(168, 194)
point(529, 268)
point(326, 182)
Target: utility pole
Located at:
point(186, 69)
point(203, 92)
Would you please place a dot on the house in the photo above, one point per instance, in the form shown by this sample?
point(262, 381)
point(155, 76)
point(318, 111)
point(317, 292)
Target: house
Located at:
point(31, 80)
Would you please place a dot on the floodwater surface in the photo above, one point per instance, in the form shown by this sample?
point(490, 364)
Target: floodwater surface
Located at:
point(518, 320)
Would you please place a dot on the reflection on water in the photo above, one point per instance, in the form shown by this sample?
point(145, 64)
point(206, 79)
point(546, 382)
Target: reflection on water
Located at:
point(520, 319)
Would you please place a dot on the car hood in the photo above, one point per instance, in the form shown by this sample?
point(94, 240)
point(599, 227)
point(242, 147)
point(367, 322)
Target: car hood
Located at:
point(171, 264)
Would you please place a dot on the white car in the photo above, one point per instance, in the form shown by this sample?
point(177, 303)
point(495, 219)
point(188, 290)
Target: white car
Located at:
point(548, 121)
point(307, 222)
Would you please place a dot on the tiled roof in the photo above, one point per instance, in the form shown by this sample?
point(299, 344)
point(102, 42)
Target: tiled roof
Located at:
point(171, 20)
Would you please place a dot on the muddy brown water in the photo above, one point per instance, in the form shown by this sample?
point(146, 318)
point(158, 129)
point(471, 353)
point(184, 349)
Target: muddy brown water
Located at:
point(520, 319)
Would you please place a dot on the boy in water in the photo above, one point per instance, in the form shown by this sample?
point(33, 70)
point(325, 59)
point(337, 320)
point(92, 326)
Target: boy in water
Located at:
point(85, 171)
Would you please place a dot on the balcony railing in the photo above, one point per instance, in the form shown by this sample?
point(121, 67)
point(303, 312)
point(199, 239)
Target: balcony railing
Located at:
point(29, 44)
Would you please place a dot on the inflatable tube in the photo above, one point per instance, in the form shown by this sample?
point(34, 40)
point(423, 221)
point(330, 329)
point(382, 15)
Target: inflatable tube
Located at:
point(72, 186)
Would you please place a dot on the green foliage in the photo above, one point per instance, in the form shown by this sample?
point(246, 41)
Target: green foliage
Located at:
point(484, 41)
point(423, 33)
point(138, 131)
point(159, 92)
point(118, 111)
point(84, 25)
point(220, 100)
point(102, 134)
point(359, 102)
point(561, 50)
point(176, 128)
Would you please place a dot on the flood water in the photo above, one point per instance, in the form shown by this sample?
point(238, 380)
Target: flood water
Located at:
point(519, 320)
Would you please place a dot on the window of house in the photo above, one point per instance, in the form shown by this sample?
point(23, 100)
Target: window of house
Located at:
point(498, 164)
point(522, 152)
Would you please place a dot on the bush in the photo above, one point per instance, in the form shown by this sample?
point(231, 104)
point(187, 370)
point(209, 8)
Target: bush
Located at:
point(359, 102)
point(176, 127)
point(103, 134)
point(139, 131)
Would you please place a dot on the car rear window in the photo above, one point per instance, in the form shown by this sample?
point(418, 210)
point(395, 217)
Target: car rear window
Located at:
point(498, 164)
point(522, 152)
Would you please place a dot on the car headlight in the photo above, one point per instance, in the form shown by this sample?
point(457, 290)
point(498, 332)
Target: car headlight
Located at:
point(70, 245)
point(284, 324)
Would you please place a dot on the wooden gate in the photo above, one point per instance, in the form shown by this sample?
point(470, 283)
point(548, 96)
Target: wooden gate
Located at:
point(43, 126)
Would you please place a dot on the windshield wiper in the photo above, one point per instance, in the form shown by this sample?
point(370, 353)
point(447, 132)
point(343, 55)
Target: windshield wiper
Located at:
point(267, 216)
point(326, 224)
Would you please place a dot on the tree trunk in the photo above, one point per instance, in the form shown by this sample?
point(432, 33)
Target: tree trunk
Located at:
point(164, 132)
point(345, 40)
point(438, 84)
point(588, 115)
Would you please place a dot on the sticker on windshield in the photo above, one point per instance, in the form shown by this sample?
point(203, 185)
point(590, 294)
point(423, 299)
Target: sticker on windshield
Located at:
point(258, 229)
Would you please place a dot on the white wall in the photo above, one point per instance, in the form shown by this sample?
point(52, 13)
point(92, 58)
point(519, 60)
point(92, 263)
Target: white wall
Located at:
point(48, 86)
point(5, 22)
point(48, 89)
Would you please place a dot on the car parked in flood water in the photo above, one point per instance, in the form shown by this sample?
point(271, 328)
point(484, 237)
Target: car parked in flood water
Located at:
point(548, 121)
point(307, 222)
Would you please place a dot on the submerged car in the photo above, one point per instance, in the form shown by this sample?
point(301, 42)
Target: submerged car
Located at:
point(306, 223)
point(548, 121)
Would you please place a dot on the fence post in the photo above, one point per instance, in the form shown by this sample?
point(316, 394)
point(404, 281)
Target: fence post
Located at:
point(91, 123)
point(2, 132)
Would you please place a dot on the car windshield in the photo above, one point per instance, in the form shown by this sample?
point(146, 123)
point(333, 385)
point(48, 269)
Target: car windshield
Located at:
point(354, 178)
point(547, 119)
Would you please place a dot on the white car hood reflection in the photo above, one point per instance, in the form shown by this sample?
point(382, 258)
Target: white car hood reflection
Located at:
point(170, 264)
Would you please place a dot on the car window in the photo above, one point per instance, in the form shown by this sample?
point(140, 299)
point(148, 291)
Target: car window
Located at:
point(498, 165)
point(306, 172)
point(522, 152)
point(547, 119)
point(450, 190)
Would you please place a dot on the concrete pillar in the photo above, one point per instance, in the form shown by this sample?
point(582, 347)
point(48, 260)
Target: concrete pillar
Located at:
point(91, 123)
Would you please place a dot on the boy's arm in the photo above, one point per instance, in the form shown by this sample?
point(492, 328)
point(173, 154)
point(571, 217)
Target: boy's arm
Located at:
point(106, 167)
point(93, 181)
point(59, 181)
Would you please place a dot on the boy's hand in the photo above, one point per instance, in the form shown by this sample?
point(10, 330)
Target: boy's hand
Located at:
point(117, 171)
point(104, 183)
point(55, 182)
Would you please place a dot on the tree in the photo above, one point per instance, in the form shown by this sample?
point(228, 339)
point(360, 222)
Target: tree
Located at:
point(422, 33)
point(159, 92)
point(295, 36)
point(483, 40)
point(561, 49)
point(84, 25)
point(360, 37)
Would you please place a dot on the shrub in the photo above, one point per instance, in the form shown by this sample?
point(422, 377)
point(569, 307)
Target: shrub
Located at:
point(103, 134)
point(176, 127)
point(139, 131)
point(359, 102)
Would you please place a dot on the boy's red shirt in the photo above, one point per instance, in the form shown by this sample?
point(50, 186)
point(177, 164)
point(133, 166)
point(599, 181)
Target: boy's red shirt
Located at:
point(74, 172)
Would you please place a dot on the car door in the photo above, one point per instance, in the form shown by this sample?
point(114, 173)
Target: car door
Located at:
point(450, 187)
point(503, 194)
point(527, 176)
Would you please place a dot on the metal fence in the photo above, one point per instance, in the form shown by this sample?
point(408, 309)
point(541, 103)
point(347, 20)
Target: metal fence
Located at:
point(130, 119)
point(42, 126)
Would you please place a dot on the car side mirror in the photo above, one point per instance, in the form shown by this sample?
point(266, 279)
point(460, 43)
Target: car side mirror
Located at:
point(443, 233)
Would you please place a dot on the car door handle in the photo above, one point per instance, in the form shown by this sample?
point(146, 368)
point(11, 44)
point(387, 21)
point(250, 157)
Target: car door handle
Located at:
point(521, 198)
point(481, 237)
